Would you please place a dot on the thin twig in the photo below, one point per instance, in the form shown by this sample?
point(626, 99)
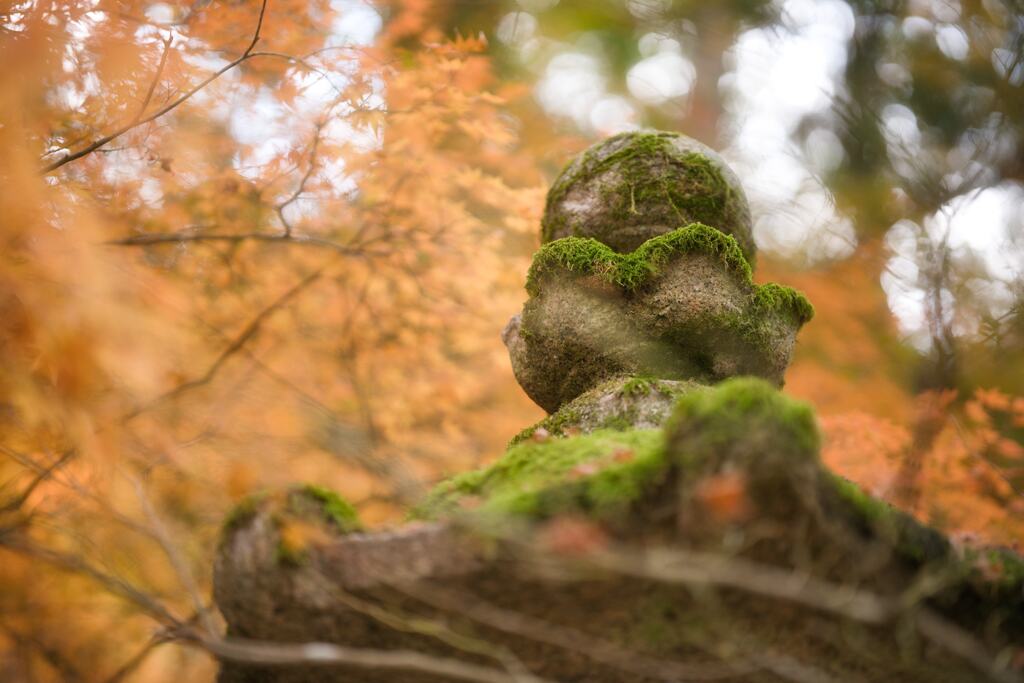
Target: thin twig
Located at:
point(155, 81)
point(115, 585)
point(89, 149)
point(760, 579)
point(178, 562)
point(247, 333)
point(330, 654)
point(955, 639)
point(137, 659)
point(40, 477)
point(179, 237)
point(302, 183)
point(430, 628)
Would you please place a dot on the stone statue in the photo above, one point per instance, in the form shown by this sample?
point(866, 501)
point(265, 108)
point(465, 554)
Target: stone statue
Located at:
point(669, 520)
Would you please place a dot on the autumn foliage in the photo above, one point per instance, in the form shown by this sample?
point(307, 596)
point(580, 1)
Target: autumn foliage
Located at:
point(297, 271)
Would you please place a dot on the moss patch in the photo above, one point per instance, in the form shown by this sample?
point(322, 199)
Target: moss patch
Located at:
point(647, 173)
point(774, 297)
point(243, 513)
point(602, 472)
point(310, 514)
point(907, 536)
point(741, 409)
point(597, 473)
point(618, 404)
point(336, 510)
point(639, 386)
point(584, 255)
point(555, 425)
point(587, 256)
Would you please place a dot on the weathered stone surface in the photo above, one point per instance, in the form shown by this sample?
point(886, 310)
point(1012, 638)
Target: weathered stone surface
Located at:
point(619, 403)
point(682, 307)
point(481, 579)
point(635, 186)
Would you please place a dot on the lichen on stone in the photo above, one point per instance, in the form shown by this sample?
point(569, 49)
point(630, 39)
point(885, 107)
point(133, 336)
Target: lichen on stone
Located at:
point(634, 186)
point(618, 403)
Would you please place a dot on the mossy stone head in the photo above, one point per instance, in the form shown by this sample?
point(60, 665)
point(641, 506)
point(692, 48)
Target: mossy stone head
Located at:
point(635, 186)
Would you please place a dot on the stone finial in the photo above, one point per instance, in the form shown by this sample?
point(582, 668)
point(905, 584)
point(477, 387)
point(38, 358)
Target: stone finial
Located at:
point(635, 186)
point(629, 283)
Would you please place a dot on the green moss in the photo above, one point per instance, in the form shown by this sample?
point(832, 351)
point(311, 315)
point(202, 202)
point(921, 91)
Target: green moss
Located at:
point(909, 538)
point(650, 172)
point(336, 510)
point(773, 297)
point(603, 472)
point(629, 407)
point(743, 408)
point(867, 508)
point(639, 386)
point(1010, 565)
point(286, 556)
point(243, 513)
point(587, 256)
point(316, 504)
point(584, 256)
point(554, 424)
point(598, 473)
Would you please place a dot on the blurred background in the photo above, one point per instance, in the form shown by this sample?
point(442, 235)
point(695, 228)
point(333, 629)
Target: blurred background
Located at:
point(232, 264)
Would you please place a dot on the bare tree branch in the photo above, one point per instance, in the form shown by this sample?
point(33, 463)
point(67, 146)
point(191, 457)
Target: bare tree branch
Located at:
point(178, 562)
point(328, 654)
point(950, 636)
point(247, 333)
point(137, 659)
point(78, 565)
point(190, 236)
point(155, 81)
point(89, 149)
point(44, 474)
point(692, 567)
point(302, 183)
